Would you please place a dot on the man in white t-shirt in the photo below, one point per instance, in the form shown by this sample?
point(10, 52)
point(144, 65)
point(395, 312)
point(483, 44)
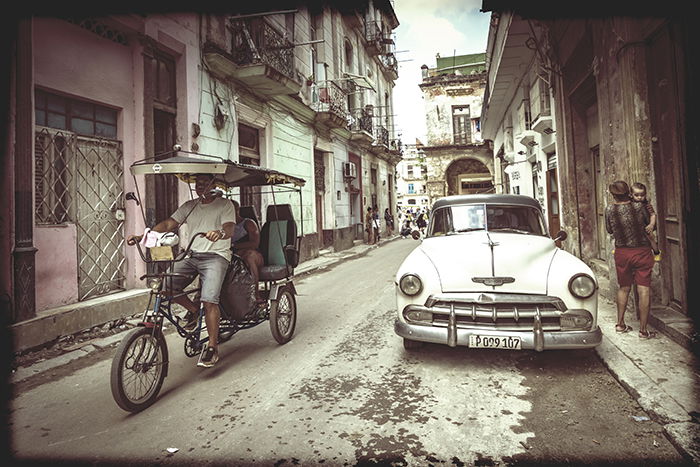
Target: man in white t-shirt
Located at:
point(210, 257)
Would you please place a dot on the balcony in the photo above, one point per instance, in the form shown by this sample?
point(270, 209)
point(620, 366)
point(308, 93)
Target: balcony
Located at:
point(381, 140)
point(260, 57)
point(330, 103)
point(390, 66)
point(526, 138)
point(373, 36)
point(360, 125)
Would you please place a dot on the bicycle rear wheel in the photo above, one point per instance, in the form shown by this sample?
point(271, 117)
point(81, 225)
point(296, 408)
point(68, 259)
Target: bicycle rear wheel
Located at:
point(138, 370)
point(283, 315)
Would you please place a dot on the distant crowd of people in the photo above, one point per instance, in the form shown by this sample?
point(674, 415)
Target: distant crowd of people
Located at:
point(409, 219)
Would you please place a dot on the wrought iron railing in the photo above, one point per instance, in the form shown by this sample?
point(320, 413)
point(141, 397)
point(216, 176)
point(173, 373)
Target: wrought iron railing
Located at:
point(256, 41)
point(373, 31)
point(327, 96)
point(390, 63)
point(381, 136)
point(360, 120)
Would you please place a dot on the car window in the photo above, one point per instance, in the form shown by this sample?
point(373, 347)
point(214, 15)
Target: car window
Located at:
point(518, 219)
point(467, 218)
point(457, 219)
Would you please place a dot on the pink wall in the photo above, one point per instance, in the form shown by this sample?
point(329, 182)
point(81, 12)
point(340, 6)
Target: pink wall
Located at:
point(76, 62)
point(56, 266)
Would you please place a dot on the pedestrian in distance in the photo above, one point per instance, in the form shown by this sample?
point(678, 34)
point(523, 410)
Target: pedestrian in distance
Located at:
point(375, 223)
point(369, 226)
point(389, 219)
point(421, 223)
point(626, 221)
point(210, 258)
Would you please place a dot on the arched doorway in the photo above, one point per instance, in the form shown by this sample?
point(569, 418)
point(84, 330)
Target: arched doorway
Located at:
point(468, 176)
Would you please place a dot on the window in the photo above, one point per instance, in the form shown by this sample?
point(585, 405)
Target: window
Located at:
point(348, 56)
point(411, 189)
point(461, 124)
point(249, 153)
point(164, 75)
point(81, 117)
point(373, 176)
point(249, 144)
point(409, 170)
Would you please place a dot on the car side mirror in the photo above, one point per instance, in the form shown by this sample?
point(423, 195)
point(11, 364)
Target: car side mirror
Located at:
point(415, 234)
point(561, 235)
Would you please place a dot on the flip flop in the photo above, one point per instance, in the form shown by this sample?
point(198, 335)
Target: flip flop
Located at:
point(623, 329)
point(647, 334)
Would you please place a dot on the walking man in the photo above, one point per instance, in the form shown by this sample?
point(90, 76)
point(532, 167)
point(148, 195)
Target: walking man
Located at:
point(634, 259)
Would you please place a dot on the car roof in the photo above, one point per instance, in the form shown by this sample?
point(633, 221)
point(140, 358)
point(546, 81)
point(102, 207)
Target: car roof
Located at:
point(487, 199)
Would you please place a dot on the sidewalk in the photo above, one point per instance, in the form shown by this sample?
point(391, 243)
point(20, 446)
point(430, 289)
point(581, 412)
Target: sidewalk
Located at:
point(662, 374)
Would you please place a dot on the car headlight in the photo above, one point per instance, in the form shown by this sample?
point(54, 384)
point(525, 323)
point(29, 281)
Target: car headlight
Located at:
point(582, 285)
point(410, 284)
point(154, 283)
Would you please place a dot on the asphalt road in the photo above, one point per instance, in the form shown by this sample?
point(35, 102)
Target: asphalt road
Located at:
point(344, 392)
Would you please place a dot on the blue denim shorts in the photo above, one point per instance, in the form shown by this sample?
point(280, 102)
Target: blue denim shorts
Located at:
point(211, 268)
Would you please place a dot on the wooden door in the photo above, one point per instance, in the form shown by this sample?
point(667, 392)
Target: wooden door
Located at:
point(666, 104)
point(165, 184)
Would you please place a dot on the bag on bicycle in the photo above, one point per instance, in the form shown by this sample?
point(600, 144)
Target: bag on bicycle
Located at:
point(237, 296)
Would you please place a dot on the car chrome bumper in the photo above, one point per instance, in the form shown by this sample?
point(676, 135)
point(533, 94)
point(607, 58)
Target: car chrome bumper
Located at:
point(535, 339)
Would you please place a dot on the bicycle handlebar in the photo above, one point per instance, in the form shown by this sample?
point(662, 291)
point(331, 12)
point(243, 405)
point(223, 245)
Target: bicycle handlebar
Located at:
point(181, 256)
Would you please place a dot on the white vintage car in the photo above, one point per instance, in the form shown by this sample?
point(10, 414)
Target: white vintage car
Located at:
point(487, 275)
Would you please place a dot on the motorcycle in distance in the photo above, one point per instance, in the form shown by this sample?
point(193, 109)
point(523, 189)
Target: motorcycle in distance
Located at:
point(140, 364)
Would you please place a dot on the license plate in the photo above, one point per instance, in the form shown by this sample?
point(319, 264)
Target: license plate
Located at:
point(494, 342)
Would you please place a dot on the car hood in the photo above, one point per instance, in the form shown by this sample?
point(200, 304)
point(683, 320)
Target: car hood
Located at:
point(459, 258)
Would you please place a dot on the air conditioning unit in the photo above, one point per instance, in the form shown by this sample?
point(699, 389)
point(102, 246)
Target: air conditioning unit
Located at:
point(349, 170)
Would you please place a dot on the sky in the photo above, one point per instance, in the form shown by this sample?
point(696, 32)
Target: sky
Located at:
point(427, 28)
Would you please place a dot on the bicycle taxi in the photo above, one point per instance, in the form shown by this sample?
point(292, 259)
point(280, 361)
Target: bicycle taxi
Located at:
point(140, 364)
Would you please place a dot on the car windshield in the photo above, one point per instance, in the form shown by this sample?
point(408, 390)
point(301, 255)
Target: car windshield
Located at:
point(451, 220)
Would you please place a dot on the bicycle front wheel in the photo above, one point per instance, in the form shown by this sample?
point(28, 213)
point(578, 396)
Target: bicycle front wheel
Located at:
point(138, 369)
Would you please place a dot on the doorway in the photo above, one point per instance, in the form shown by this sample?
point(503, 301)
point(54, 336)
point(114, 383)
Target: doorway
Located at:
point(665, 102)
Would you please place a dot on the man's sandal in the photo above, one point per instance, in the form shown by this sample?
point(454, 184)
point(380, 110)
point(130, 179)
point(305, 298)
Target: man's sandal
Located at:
point(622, 328)
point(647, 334)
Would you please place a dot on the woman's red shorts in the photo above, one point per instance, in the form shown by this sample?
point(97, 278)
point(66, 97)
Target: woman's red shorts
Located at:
point(634, 265)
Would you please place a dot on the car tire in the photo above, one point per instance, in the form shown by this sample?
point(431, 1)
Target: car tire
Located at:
point(408, 344)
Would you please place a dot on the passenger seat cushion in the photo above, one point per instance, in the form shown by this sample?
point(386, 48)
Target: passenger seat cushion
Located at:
point(276, 239)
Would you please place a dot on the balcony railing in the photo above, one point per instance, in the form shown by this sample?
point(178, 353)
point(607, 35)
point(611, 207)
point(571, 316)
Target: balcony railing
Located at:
point(360, 120)
point(390, 64)
point(381, 136)
point(329, 97)
point(373, 31)
point(255, 41)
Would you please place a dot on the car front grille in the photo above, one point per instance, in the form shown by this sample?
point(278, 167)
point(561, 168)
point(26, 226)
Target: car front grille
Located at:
point(494, 312)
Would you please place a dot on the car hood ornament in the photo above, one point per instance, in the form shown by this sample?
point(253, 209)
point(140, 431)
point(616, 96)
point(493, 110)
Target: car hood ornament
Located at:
point(493, 281)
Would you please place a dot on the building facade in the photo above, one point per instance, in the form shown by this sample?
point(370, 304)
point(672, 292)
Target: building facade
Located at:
point(305, 90)
point(519, 119)
point(457, 159)
point(617, 110)
point(411, 178)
